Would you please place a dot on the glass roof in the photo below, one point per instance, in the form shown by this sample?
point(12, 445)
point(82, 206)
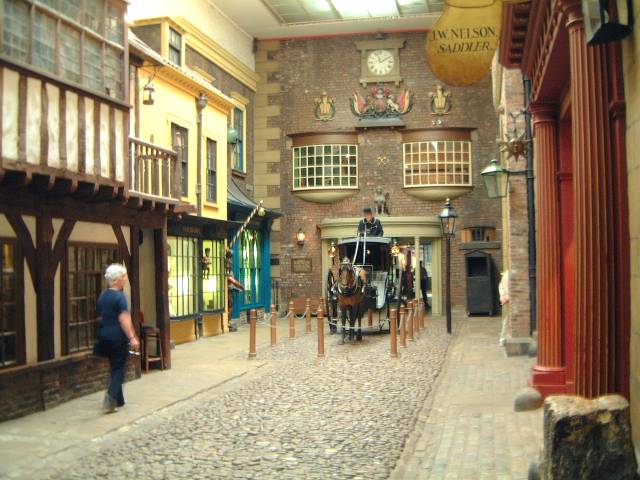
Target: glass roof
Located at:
point(310, 11)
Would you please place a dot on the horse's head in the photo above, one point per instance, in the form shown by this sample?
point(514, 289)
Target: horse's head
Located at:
point(347, 274)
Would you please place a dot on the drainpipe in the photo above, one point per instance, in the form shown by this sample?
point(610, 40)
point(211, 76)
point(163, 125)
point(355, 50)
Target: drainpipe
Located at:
point(531, 209)
point(201, 104)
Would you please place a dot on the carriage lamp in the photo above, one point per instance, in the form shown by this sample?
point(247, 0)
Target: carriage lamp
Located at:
point(395, 249)
point(607, 20)
point(448, 223)
point(261, 211)
point(332, 250)
point(147, 93)
point(300, 237)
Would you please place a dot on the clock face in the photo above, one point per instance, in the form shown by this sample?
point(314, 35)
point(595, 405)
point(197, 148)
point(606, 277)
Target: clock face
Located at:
point(380, 62)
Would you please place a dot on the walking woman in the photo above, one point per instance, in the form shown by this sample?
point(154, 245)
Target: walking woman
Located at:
point(116, 335)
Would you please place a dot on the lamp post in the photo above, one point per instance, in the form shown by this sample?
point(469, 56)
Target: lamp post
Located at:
point(447, 223)
point(201, 104)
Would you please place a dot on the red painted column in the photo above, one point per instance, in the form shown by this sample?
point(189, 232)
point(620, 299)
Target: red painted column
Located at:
point(596, 355)
point(549, 373)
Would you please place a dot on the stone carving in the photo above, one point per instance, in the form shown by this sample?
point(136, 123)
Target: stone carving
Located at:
point(587, 438)
point(515, 144)
point(440, 101)
point(381, 103)
point(382, 205)
point(325, 107)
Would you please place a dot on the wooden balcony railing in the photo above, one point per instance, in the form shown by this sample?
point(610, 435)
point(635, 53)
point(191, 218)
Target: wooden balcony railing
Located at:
point(155, 171)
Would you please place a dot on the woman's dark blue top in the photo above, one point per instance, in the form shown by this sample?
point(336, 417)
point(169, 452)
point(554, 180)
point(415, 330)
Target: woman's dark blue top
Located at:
point(111, 304)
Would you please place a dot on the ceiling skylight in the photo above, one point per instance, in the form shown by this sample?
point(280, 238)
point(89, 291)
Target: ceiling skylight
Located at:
point(312, 11)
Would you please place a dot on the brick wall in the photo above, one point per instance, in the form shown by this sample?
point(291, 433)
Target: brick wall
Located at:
point(302, 69)
point(32, 389)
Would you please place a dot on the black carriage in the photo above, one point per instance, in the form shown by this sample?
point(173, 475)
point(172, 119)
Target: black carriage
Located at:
point(374, 256)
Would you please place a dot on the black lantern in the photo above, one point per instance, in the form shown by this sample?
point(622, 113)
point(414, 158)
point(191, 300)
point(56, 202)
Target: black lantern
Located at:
point(606, 20)
point(448, 219)
point(496, 179)
point(147, 93)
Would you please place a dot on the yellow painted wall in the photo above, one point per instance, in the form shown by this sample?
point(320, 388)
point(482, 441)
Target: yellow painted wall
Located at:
point(175, 104)
point(631, 65)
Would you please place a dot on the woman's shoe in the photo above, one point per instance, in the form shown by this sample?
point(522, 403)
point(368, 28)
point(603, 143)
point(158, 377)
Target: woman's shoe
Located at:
point(108, 405)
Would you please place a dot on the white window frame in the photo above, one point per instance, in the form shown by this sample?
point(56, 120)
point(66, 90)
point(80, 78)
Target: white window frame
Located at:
point(446, 171)
point(243, 109)
point(297, 175)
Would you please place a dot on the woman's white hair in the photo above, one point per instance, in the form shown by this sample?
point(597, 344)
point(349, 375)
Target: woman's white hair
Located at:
point(114, 272)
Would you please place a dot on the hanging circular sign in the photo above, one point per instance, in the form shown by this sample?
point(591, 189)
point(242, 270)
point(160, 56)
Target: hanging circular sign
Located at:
point(461, 44)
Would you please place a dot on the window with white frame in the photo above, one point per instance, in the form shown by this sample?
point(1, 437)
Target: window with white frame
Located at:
point(437, 163)
point(325, 166)
point(79, 41)
point(237, 152)
point(175, 47)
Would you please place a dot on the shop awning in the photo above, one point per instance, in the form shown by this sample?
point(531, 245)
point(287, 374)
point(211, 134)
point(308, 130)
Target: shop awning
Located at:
point(237, 199)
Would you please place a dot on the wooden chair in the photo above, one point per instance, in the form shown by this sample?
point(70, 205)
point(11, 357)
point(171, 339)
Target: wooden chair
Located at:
point(150, 335)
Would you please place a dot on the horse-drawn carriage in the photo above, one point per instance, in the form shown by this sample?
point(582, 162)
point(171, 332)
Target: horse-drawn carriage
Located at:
point(361, 281)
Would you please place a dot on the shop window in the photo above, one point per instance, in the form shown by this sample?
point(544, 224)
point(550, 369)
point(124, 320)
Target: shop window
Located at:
point(51, 34)
point(84, 281)
point(184, 284)
point(325, 166)
point(213, 277)
point(478, 234)
point(212, 158)
point(238, 149)
point(180, 139)
point(175, 47)
point(11, 317)
point(432, 163)
point(250, 265)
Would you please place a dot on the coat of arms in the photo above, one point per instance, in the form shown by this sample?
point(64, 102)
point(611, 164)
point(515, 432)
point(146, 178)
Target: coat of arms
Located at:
point(381, 103)
point(440, 101)
point(325, 107)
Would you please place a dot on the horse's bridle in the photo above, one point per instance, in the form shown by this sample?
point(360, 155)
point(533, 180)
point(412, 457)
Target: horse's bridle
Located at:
point(349, 290)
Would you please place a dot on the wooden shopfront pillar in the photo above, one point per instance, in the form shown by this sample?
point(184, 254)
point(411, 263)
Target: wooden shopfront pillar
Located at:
point(601, 353)
point(549, 373)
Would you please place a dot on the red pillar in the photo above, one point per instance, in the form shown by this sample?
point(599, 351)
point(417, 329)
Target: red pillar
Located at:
point(549, 373)
point(598, 358)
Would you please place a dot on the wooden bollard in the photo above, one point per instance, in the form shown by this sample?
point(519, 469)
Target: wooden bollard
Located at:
point(253, 319)
point(411, 320)
point(393, 326)
point(423, 314)
point(320, 331)
point(370, 317)
point(308, 316)
point(418, 325)
point(274, 325)
point(292, 320)
point(403, 327)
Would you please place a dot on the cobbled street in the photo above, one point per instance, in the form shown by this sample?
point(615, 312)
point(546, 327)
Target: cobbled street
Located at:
point(345, 416)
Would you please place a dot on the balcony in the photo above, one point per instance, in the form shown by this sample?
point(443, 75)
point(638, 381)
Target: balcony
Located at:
point(155, 172)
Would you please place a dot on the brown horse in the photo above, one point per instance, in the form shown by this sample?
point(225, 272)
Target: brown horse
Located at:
point(350, 288)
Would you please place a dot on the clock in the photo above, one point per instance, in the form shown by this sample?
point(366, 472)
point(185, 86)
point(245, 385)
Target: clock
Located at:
point(380, 60)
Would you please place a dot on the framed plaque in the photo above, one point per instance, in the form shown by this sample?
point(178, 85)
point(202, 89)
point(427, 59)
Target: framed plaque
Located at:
point(301, 265)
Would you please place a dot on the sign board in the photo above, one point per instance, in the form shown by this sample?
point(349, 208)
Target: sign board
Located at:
point(461, 44)
point(301, 265)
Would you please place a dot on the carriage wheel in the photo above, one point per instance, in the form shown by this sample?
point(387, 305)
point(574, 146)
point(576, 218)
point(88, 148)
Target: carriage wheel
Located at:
point(331, 306)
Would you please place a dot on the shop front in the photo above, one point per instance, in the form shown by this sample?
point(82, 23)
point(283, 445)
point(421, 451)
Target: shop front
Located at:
point(197, 283)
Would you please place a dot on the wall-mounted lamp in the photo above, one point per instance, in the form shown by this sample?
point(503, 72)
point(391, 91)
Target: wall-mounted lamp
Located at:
point(300, 237)
point(395, 249)
point(496, 179)
point(603, 24)
point(147, 93)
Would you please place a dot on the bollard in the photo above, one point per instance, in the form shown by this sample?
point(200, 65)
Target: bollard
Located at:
point(411, 320)
point(403, 328)
point(423, 314)
point(370, 317)
point(308, 316)
point(253, 319)
point(393, 327)
point(320, 331)
point(292, 321)
point(416, 324)
point(274, 325)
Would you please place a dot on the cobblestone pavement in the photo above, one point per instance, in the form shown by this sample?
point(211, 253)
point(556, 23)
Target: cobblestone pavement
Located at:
point(345, 416)
point(468, 429)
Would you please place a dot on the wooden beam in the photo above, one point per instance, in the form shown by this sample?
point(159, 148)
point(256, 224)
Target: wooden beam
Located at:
point(122, 243)
point(162, 290)
point(61, 243)
point(26, 243)
point(134, 280)
point(45, 304)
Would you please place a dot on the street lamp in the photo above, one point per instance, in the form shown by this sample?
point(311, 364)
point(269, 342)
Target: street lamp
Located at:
point(496, 179)
point(603, 24)
point(448, 223)
point(300, 237)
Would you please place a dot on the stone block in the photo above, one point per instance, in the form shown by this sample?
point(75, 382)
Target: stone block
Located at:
point(528, 399)
point(587, 439)
point(516, 346)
